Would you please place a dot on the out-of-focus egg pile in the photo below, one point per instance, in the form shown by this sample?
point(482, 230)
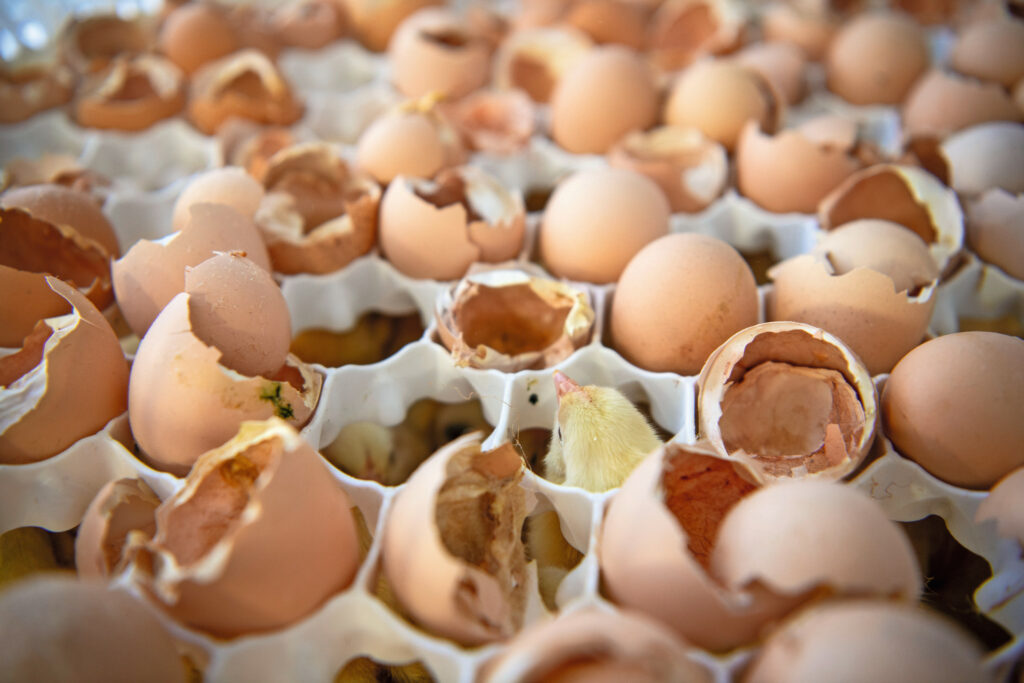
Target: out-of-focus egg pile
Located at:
point(582, 340)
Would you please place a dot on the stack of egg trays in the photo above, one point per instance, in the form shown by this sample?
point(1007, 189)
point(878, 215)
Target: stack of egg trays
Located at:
point(150, 169)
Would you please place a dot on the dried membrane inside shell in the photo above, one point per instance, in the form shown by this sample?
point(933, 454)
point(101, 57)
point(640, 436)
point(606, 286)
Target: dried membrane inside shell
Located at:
point(683, 30)
point(28, 90)
point(788, 400)
point(259, 536)
point(452, 548)
point(131, 93)
point(63, 375)
point(317, 215)
point(246, 85)
point(120, 507)
point(508, 320)
point(437, 229)
point(690, 169)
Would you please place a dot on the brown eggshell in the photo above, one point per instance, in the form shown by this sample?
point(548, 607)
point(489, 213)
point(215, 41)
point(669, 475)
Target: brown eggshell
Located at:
point(1002, 504)
point(876, 57)
point(259, 536)
point(995, 230)
point(88, 43)
point(496, 122)
point(876, 639)
point(942, 102)
point(809, 30)
point(121, 506)
point(612, 642)
point(70, 377)
point(535, 59)
point(684, 30)
point(437, 229)
point(230, 186)
point(429, 525)
point(991, 50)
point(151, 273)
point(131, 94)
point(309, 24)
point(718, 97)
point(28, 90)
point(414, 140)
point(605, 95)
point(57, 628)
point(597, 220)
point(954, 405)
point(657, 330)
point(195, 34)
point(809, 412)
point(375, 21)
point(986, 156)
point(610, 21)
point(434, 51)
point(789, 172)
point(54, 169)
point(245, 84)
point(783, 64)
point(689, 168)
point(182, 401)
point(66, 207)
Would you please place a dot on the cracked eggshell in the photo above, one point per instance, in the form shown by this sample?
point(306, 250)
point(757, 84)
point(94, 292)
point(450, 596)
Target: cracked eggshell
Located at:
point(29, 89)
point(783, 64)
point(69, 377)
point(230, 186)
point(991, 50)
point(437, 518)
point(309, 24)
point(600, 645)
point(374, 21)
point(681, 31)
point(877, 640)
point(89, 43)
point(809, 29)
point(869, 282)
point(130, 94)
point(120, 507)
point(986, 156)
point(809, 411)
point(690, 169)
point(509, 320)
point(995, 230)
point(436, 51)
point(943, 102)
point(413, 140)
point(1002, 504)
point(152, 273)
point(535, 59)
point(318, 215)
point(437, 229)
point(494, 121)
point(259, 536)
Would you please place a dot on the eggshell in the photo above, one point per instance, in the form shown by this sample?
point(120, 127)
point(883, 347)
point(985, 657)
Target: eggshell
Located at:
point(783, 64)
point(54, 169)
point(66, 207)
point(718, 97)
point(309, 24)
point(259, 536)
point(70, 377)
point(465, 212)
point(57, 628)
point(534, 60)
point(1002, 504)
point(955, 405)
point(194, 34)
point(375, 21)
point(230, 186)
point(986, 156)
point(809, 411)
point(87, 43)
point(151, 273)
point(411, 141)
point(434, 51)
point(878, 640)
point(684, 30)
point(876, 57)
point(606, 94)
point(28, 90)
point(121, 506)
point(812, 31)
point(610, 21)
point(130, 94)
point(597, 220)
point(494, 121)
point(613, 642)
point(941, 103)
point(655, 329)
point(995, 230)
point(431, 524)
point(991, 50)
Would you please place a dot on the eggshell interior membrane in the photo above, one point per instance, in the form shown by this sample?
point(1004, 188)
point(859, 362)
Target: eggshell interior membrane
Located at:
point(120, 507)
point(57, 628)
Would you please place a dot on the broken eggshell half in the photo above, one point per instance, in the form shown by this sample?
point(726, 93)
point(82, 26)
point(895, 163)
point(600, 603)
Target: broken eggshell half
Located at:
point(510, 320)
point(437, 229)
point(788, 400)
point(120, 507)
point(259, 536)
point(131, 94)
point(317, 215)
point(452, 544)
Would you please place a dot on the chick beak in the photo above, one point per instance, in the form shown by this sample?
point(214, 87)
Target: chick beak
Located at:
point(564, 385)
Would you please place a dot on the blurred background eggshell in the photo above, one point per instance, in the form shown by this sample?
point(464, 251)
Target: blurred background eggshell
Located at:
point(783, 64)
point(995, 230)
point(991, 50)
point(402, 143)
point(941, 103)
point(534, 60)
point(64, 206)
point(986, 156)
point(435, 51)
point(1002, 505)
point(194, 34)
point(229, 185)
point(375, 21)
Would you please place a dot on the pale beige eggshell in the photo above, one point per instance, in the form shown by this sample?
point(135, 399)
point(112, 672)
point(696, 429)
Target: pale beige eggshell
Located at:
point(535, 59)
point(1002, 504)
point(991, 50)
point(60, 388)
point(995, 230)
point(259, 536)
point(435, 51)
point(375, 21)
point(606, 94)
point(230, 185)
point(194, 34)
point(446, 594)
point(57, 628)
point(802, 346)
point(620, 641)
point(783, 64)
point(681, 31)
point(426, 240)
point(811, 31)
point(597, 220)
point(656, 329)
point(878, 640)
point(151, 273)
point(876, 57)
point(495, 121)
point(121, 506)
point(182, 401)
point(954, 405)
point(942, 102)
point(718, 97)
point(130, 94)
point(986, 156)
point(801, 535)
point(789, 172)
point(409, 141)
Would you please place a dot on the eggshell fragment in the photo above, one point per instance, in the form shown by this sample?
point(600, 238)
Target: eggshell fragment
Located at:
point(414, 140)
point(991, 50)
point(465, 212)
point(1002, 504)
point(69, 378)
point(510, 321)
point(682, 31)
point(609, 21)
point(28, 90)
point(495, 122)
point(259, 536)
point(941, 103)
point(995, 230)
point(120, 507)
point(54, 169)
point(229, 186)
point(955, 405)
point(434, 51)
point(375, 21)
point(986, 156)
point(89, 43)
point(452, 548)
point(534, 60)
point(131, 94)
point(809, 410)
point(57, 628)
point(782, 64)
point(808, 28)
point(195, 34)
point(66, 207)
point(309, 24)
point(875, 639)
